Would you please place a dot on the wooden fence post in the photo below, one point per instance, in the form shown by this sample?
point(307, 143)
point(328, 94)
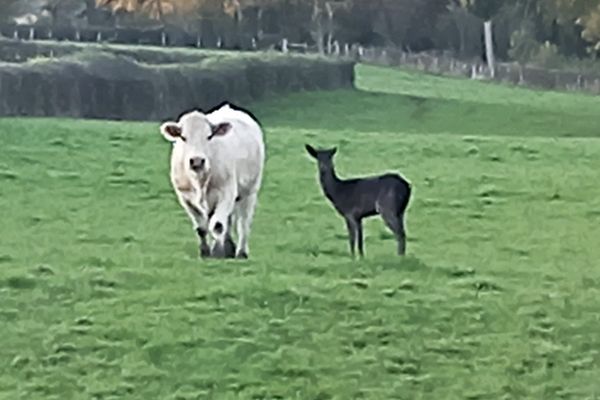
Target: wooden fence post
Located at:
point(489, 47)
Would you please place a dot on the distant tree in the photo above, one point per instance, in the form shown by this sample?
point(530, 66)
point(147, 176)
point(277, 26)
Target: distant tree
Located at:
point(485, 9)
point(185, 14)
point(589, 19)
point(161, 9)
point(67, 12)
point(570, 24)
point(322, 21)
point(591, 22)
point(523, 46)
point(10, 9)
point(6, 9)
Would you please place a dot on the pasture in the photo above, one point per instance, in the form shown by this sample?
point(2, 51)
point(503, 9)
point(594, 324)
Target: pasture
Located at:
point(102, 295)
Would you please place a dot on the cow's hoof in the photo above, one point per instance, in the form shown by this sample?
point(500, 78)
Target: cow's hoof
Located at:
point(229, 248)
point(242, 255)
point(218, 252)
point(204, 251)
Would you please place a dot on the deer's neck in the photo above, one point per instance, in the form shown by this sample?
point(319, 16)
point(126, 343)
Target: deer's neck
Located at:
point(330, 182)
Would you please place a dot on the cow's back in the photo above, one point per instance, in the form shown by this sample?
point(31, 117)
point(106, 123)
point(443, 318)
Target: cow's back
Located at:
point(240, 151)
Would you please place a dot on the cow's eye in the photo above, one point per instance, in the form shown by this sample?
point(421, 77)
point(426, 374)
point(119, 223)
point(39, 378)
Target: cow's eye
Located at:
point(183, 138)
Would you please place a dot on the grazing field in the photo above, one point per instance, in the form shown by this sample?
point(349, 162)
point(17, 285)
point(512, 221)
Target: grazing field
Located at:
point(102, 296)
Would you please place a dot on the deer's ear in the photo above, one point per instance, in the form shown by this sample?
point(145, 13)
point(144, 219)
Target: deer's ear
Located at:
point(310, 150)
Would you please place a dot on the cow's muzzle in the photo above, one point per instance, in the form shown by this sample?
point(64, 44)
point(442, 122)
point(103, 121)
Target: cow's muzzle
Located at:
point(197, 164)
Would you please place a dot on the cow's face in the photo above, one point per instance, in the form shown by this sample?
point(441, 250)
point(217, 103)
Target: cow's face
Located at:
point(192, 133)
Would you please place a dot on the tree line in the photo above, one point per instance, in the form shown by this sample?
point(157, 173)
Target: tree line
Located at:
point(524, 30)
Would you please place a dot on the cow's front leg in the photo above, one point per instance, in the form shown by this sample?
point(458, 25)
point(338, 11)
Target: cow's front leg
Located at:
point(219, 225)
point(203, 244)
point(200, 223)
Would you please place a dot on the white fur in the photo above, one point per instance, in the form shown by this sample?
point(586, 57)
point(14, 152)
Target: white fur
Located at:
point(234, 163)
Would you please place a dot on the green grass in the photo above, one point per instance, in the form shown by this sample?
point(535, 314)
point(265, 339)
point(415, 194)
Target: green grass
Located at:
point(102, 296)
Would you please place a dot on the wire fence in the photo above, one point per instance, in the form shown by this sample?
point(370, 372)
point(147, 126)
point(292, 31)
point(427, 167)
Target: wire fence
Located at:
point(440, 63)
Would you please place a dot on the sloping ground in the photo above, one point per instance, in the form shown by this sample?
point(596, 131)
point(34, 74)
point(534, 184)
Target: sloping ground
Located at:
point(397, 101)
point(103, 297)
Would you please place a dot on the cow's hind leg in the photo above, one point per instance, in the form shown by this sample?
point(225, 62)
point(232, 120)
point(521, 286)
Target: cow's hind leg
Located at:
point(229, 246)
point(245, 216)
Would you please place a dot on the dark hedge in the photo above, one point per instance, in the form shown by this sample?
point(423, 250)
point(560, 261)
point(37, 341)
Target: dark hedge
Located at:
point(97, 84)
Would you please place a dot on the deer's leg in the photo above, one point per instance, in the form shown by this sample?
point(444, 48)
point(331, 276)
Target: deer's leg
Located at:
point(395, 222)
point(351, 224)
point(359, 234)
point(401, 237)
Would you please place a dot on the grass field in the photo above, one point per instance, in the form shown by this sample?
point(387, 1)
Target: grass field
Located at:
point(102, 296)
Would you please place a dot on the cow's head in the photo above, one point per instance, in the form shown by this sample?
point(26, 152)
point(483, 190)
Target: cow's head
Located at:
point(192, 133)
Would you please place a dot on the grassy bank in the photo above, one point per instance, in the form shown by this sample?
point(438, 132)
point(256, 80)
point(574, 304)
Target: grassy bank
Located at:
point(102, 295)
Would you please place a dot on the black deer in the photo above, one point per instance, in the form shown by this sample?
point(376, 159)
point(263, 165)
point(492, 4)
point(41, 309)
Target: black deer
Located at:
point(355, 199)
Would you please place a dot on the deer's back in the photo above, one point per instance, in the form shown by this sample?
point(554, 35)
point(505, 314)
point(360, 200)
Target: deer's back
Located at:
point(361, 197)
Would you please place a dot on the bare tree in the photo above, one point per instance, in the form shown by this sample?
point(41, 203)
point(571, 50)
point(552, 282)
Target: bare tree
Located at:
point(323, 12)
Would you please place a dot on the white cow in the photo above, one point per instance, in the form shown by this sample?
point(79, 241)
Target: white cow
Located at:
point(217, 163)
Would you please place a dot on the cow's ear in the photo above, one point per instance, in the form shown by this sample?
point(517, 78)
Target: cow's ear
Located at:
point(311, 150)
point(220, 129)
point(171, 130)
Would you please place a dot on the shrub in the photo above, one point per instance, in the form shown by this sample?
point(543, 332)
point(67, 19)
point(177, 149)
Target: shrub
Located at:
point(117, 85)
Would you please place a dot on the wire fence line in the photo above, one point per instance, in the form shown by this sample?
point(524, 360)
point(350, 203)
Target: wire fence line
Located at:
point(439, 63)
point(511, 73)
